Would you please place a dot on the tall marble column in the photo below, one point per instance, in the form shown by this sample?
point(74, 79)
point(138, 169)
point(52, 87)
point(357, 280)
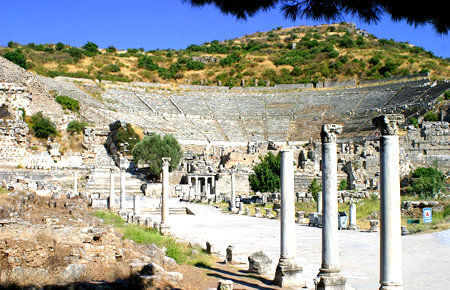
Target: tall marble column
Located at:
point(329, 276)
point(137, 204)
point(75, 183)
point(288, 272)
point(233, 193)
point(122, 165)
point(390, 217)
point(165, 195)
point(112, 196)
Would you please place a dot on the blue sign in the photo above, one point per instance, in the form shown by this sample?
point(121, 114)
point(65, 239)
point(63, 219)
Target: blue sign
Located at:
point(427, 215)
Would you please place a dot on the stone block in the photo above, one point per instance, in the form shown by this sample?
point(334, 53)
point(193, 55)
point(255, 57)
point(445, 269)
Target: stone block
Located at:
point(259, 263)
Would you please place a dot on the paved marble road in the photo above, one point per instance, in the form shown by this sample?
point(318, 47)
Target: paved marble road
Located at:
point(425, 256)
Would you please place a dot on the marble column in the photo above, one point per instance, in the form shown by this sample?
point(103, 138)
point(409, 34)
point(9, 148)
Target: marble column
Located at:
point(288, 272)
point(165, 195)
point(197, 187)
point(329, 276)
point(390, 216)
point(233, 193)
point(352, 225)
point(112, 196)
point(137, 204)
point(75, 184)
point(122, 164)
point(319, 202)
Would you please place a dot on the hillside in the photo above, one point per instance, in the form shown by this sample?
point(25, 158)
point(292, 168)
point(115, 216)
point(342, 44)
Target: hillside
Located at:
point(301, 54)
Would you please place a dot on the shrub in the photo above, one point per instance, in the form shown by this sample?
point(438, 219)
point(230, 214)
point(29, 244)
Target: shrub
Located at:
point(68, 103)
point(343, 184)
point(431, 116)
point(90, 48)
point(126, 135)
point(346, 42)
point(426, 182)
point(112, 68)
point(75, 52)
point(16, 57)
point(152, 148)
point(76, 126)
point(415, 122)
point(267, 174)
point(447, 94)
point(230, 59)
point(111, 49)
point(42, 126)
point(314, 188)
point(195, 65)
point(12, 44)
point(147, 63)
point(59, 46)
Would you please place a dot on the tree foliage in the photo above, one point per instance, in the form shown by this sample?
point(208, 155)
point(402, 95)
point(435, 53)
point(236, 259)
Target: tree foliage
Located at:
point(151, 149)
point(367, 11)
point(314, 188)
point(42, 126)
point(76, 126)
point(426, 182)
point(267, 174)
point(16, 57)
point(126, 135)
point(68, 103)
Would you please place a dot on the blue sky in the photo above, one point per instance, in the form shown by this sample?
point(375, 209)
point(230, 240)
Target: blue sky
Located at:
point(153, 24)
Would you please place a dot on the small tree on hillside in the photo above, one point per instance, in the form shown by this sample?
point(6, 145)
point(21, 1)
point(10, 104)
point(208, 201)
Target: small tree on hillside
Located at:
point(152, 148)
point(42, 126)
point(267, 174)
point(16, 57)
point(314, 188)
point(426, 182)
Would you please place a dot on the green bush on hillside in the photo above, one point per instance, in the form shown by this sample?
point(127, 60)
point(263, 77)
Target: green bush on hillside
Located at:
point(76, 126)
point(314, 188)
point(147, 63)
point(42, 126)
point(16, 57)
point(431, 116)
point(68, 103)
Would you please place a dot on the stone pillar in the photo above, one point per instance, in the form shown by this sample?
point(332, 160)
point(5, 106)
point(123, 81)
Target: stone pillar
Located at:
point(288, 273)
point(352, 224)
point(197, 187)
point(123, 193)
point(329, 276)
point(75, 183)
point(189, 181)
point(319, 201)
point(112, 196)
point(137, 204)
point(165, 195)
point(390, 217)
point(233, 193)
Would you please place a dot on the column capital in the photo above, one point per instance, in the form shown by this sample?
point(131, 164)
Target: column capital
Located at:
point(166, 161)
point(329, 132)
point(388, 124)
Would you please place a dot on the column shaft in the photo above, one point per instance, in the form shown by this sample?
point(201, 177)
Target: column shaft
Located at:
point(287, 205)
point(233, 193)
point(165, 192)
point(122, 190)
point(112, 197)
point(390, 221)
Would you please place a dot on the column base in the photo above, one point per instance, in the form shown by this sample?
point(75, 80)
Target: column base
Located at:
point(352, 227)
point(164, 229)
point(329, 280)
point(288, 274)
point(391, 286)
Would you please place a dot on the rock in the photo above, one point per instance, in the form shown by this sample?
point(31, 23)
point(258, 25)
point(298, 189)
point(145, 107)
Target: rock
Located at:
point(72, 273)
point(169, 262)
point(173, 277)
point(19, 274)
point(137, 266)
point(152, 269)
point(155, 253)
point(194, 253)
point(225, 285)
point(259, 263)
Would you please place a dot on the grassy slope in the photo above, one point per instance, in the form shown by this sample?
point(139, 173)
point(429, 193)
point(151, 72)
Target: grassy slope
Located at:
point(322, 52)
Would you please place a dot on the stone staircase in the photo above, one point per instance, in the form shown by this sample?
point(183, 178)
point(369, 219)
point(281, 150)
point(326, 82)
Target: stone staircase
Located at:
point(99, 178)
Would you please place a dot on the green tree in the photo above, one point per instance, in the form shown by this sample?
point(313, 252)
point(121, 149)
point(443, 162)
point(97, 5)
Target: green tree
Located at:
point(267, 174)
point(16, 57)
point(314, 188)
point(426, 182)
point(90, 48)
point(343, 184)
point(42, 126)
point(147, 63)
point(431, 116)
point(111, 49)
point(12, 44)
point(75, 52)
point(126, 135)
point(76, 126)
point(59, 46)
point(150, 150)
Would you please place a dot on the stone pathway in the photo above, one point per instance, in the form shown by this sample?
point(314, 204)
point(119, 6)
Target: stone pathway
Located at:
point(425, 257)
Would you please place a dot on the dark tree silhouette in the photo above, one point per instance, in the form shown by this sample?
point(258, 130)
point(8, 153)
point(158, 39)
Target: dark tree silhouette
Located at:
point(414, 13)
